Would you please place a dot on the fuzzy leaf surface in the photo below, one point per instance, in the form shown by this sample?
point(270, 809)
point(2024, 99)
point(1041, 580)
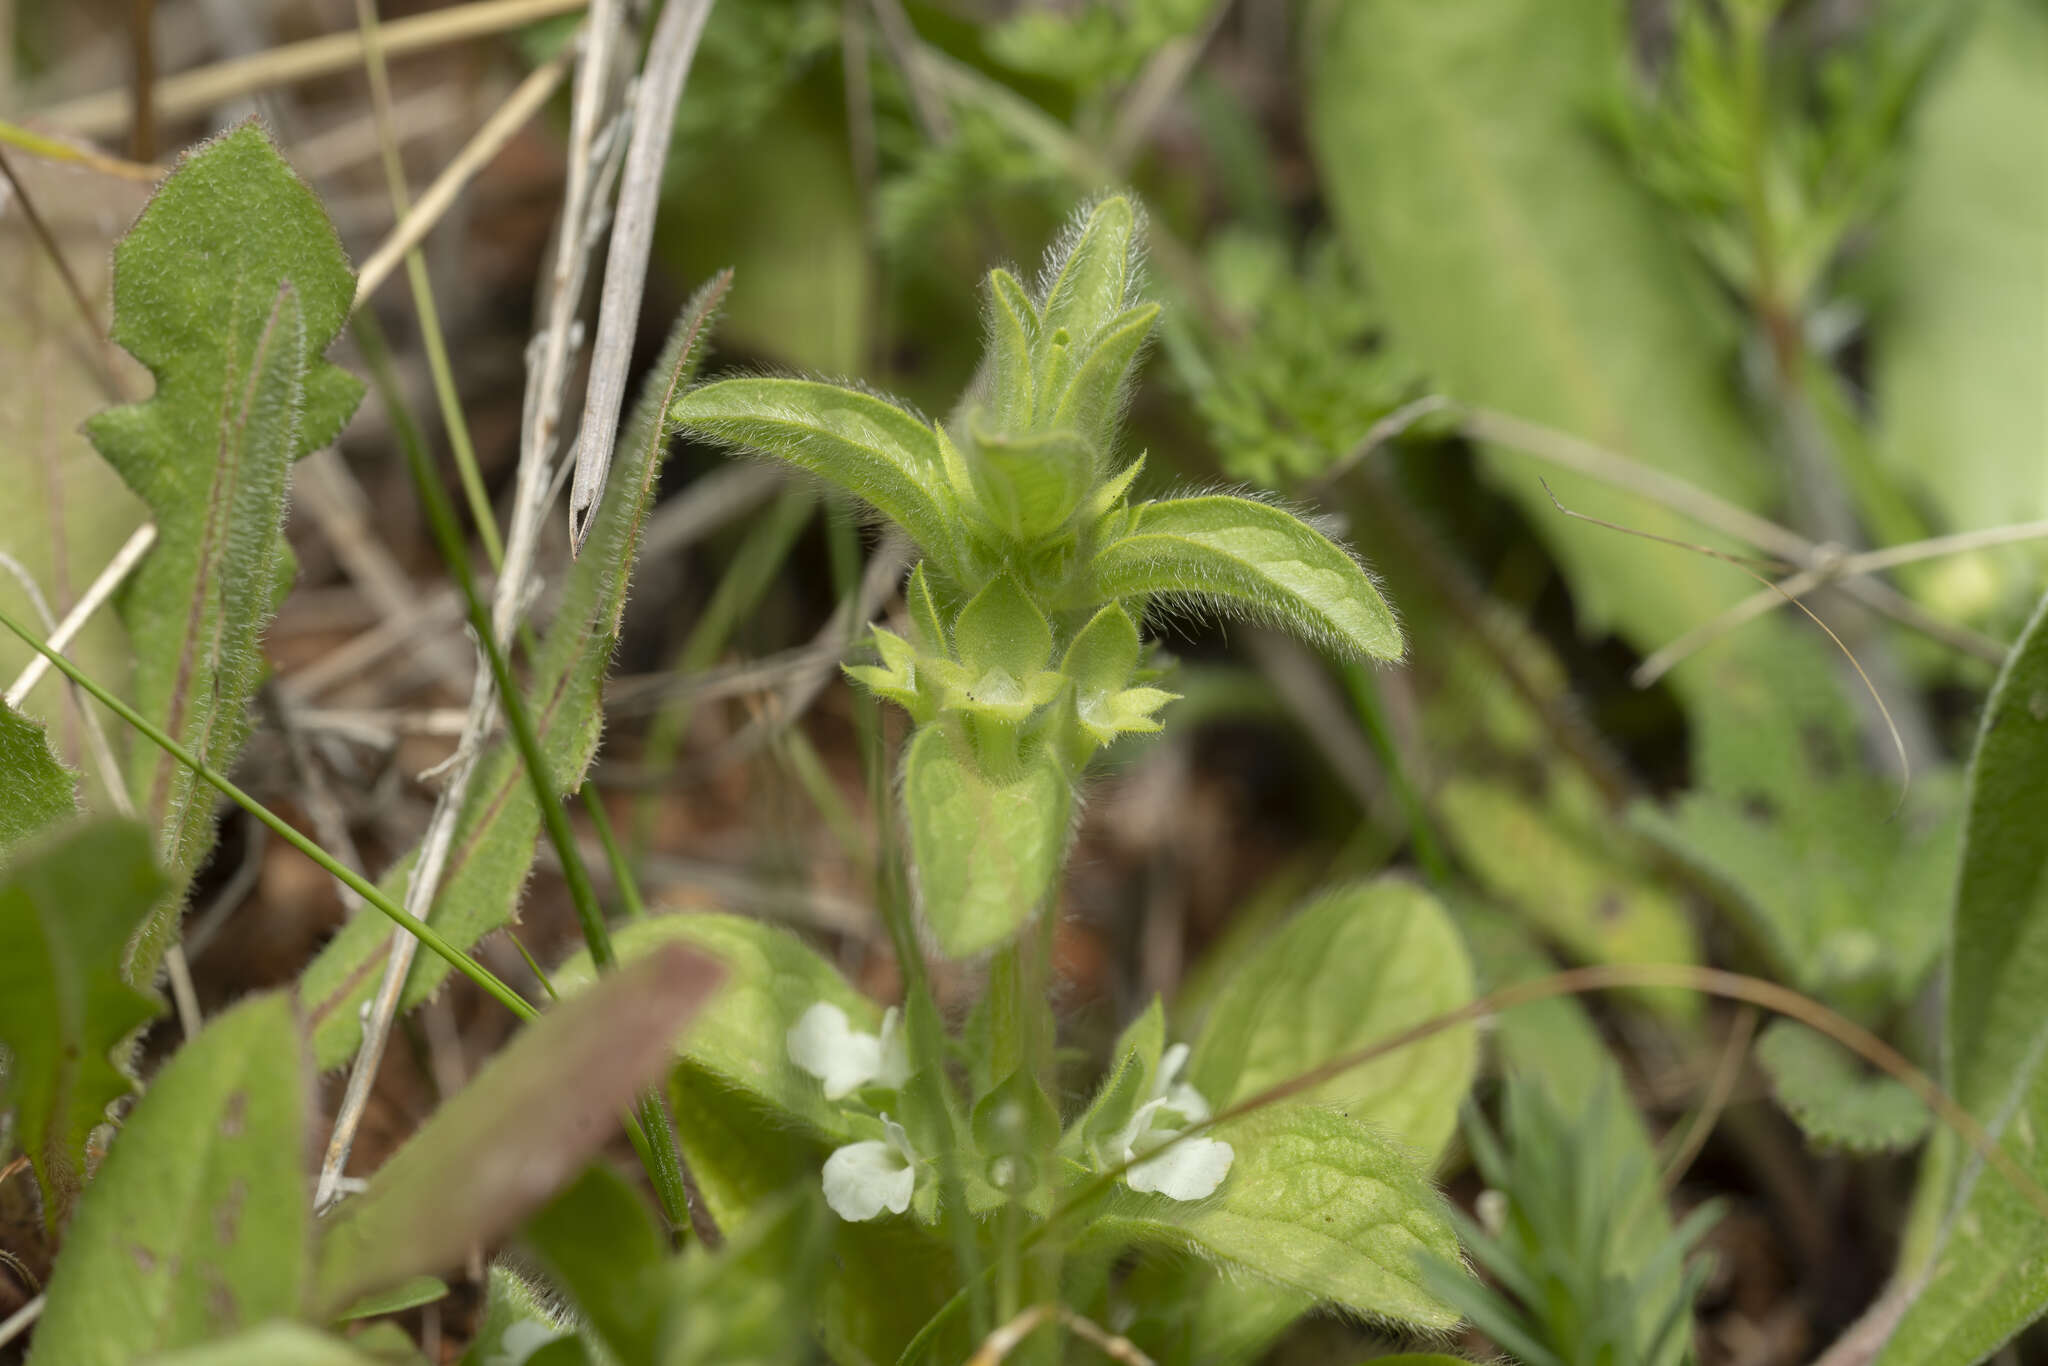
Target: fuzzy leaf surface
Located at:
point(494, 845)
point(1834, 1104)
point(67, 908)
point(197, 1224)
point(1317, 1202)
point(864, 445)
point(1357, 965)
point(1254, 559)
point(528, 1122)
point(986, 852)
point(1990, 1275)
point(35, 789)
point(599, 1243)
point(229, 288)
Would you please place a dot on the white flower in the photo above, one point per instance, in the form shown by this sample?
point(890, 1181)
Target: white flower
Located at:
point(825, 1044)
point(863, 1179)
point(1191, 1169)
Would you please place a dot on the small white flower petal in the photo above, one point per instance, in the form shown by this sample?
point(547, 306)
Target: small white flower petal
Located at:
point(1190, 1170)
point(1185, 1101)
point(825, 1044)
point(863, 1179)
point(1170, 1065)
point(893, 1066)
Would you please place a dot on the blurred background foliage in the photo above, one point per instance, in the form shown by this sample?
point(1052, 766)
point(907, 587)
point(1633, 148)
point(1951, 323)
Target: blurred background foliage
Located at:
point(1766, 275)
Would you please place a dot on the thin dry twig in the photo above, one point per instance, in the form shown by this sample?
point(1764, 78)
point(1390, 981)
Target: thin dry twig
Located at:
point(19, 1321)
point(488, 140)
point(31, 143)
point(194, 92)
point(997, 1346)
point(96, 594)
point(625, 269)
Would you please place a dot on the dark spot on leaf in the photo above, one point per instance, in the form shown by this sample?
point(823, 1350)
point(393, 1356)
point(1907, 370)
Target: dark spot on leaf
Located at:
point(227, 1218)
point(144, 1258)
point(1610, 907)
point(220, 1302)
point(2037, 704)
point(1823, 750)
point(234, 1114)
point(1060, 337)
point(1759, 807)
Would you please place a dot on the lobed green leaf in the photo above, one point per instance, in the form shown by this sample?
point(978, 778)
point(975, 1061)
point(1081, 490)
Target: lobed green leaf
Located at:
point(1252, 558)
point(35, 789)
point(197, 1225)
point(229, 287)
point(1834, 1103)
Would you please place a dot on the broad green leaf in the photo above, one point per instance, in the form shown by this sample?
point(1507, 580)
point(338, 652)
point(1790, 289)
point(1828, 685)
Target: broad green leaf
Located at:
point(1572, 886)
point(1354, 967)
point(1194, 1313)
point(864, 445)
point(493, 847)
point(408, 1294)
point(197, 1224)
point(890, 1277)
point(528, 1122)
point(1513, 258)
point(1000, 629)
point(277, 1343)
point(1990, 1275)
point(1253, 559)
point(35, 789)
point(518, 1319)
point(68, 906)
point(985, 853)
point(229, 288)
point(771, 979)
point(753, 1302)
point(1833, 1101)
point(1959, 336)
point(70, 511)
point(1317, 1202)
point(599, 1244)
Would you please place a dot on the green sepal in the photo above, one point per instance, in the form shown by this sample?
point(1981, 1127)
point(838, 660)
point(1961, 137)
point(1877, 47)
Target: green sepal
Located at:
point(1001, 629)
point(1012, 339)
point(897, 678)
point(1105, 506)
point(1093, 400)
point(1137, 1054)
point(1089, 286)
point(927, 629)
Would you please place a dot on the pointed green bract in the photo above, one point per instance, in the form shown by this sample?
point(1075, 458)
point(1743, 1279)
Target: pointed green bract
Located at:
point(229, 288)
point(493, 848)
point(1988, 1279)
point(861, 444)
point(1001, 629)
point(1353, 968)
point(35, 789)
point(197, 1225)
point(1254, 559)
point(1319, 1203)
point(68, 907)
point(985, 851)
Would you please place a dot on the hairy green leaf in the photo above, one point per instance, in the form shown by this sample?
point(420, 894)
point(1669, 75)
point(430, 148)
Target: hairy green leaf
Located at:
point(599, 1244)
point(35, 790)
point(985, 852)
point(493, 846)
point(755, 1299)
point(229, 288)
point(1317, 1202)
point(1959, 335)
point(197, 1224)
point(524, 1126)
point(1354, 967)
point(1834, 1103)
point(1990, 1275)
point(67, 909)
point(864, 445)
point(1255, 559)
point(276, 1343)
point(517, 1319)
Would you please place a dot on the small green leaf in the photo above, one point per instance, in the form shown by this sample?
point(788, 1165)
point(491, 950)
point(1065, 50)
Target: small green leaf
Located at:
point(865, 445)
point(493, 848)
point(1831, 1100)
point(197, 1224)
point(1136, 1059)
point(1317, 1202)
point(985, 852)
point(755, 1299)
point(517, 1319)
point(1252, 558)
point(530, 1119)
point(926, 627)
point(1988, 1280)
point(599, 1244)
point(68, 906)
point(1001, 630)
point(271, 1344)
point(1356, 966)
point(1012, 340)
point(1104, 654)
point(35, 790)
point(1094, 400)
point(1015, 1118)
point(1030, 485)
point(229, 288)
point(1089, 280)
point(408, 1294)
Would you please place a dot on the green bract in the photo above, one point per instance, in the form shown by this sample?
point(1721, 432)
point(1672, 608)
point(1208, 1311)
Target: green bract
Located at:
point(1024, 656)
